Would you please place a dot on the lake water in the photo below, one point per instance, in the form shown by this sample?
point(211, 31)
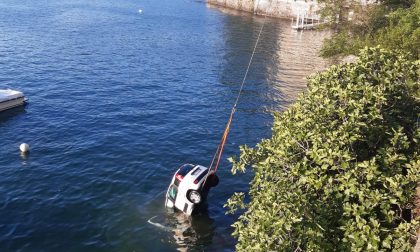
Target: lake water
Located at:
point(118, 99)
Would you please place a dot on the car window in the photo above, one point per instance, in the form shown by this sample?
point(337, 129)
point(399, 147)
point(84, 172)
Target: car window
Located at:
point(196, 170)
point(204, 173)
point(173, 191)
point(185, 169)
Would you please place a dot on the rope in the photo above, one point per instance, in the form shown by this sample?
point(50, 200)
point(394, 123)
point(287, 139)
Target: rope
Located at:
point(220, 147)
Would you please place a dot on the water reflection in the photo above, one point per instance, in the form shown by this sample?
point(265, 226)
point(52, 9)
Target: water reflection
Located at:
point(24, 156)
point(11, 113)
point(184, 232)
point(283, 58)
point(296, 58)
point(191, 231)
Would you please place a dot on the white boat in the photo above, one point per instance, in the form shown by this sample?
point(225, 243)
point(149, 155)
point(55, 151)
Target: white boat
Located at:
point(10, 99)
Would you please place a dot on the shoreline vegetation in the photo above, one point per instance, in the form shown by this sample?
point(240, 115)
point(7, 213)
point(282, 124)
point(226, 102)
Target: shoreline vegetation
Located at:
point(341, 169)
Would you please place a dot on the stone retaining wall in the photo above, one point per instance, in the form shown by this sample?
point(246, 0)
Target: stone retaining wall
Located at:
point(278, 8)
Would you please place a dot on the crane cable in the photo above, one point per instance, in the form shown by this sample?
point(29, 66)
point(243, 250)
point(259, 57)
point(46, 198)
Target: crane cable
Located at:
point(218, 154)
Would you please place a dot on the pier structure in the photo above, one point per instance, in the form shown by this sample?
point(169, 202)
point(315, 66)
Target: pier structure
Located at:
point(303, 21)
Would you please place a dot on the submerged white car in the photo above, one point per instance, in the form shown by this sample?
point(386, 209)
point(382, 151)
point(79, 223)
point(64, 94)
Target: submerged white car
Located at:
point(189, 187)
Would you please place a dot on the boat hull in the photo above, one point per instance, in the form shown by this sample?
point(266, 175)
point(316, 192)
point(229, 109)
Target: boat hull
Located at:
point(8, 104)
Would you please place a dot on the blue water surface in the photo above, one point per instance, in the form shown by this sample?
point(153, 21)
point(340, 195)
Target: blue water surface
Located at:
point(118, 99)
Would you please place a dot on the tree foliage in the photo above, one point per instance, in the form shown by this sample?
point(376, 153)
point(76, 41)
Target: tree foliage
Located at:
point(340, 170)
point(393, 24)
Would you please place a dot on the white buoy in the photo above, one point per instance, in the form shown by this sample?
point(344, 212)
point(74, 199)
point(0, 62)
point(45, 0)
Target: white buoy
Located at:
point(24, 147)
point(140, 11)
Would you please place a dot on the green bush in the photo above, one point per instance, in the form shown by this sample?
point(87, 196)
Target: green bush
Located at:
point(340, 170)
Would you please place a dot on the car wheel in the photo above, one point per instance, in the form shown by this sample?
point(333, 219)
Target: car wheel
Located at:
point(194, 196)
